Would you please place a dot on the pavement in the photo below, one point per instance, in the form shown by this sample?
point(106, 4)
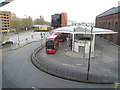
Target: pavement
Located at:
point(70, 65)
point(25, 38)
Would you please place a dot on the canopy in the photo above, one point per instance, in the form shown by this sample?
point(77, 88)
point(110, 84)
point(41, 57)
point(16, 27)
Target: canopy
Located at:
point(83, 30)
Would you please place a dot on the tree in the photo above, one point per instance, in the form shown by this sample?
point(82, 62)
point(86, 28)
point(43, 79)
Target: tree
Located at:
point(27, 23)
point(24, 23)
point(16, 23)
point(40, 21)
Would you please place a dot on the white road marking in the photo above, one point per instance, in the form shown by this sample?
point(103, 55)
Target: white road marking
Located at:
point(78, 64)
point(68, 65)
point(105, 70)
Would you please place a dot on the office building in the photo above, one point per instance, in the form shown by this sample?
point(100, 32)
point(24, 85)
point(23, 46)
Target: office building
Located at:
point(5, 21)
point(59, 20)
point(56, 21)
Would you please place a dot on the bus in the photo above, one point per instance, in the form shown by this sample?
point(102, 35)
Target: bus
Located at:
point(61, 36)
point(52, 44)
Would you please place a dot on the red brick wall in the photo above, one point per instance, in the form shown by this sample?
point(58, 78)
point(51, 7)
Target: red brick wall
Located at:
point(63, 19)
point(110, 22)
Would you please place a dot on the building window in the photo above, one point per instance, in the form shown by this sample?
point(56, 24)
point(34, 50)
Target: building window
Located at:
point(109, 25)
point(116, 27)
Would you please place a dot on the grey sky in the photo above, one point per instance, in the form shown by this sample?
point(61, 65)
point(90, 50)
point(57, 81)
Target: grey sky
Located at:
point(78, 10)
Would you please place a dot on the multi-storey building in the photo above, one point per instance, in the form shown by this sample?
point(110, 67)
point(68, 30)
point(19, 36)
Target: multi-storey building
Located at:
point(59, 20)
point(13, 16)
point(110, 20)
point(5, 20)
point(56, 21)
point(63, 19)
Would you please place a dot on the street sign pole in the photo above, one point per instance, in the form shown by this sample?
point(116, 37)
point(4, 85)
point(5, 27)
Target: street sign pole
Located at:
point(89, 55)
point(41, 38)
point(18, 39)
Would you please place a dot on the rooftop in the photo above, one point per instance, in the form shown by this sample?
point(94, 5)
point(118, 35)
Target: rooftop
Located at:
point(111, 11)
point(52, 36)
point(83, 30)
point(41, 25)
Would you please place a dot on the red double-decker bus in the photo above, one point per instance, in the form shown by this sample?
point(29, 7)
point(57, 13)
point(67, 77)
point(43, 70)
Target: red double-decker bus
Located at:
point(52, 44)
point(61, 36)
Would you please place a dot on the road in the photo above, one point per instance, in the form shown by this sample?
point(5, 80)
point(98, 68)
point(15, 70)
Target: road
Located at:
point(19, 72)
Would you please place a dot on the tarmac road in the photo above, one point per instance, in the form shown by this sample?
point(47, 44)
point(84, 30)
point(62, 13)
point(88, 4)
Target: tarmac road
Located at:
point(19, 72)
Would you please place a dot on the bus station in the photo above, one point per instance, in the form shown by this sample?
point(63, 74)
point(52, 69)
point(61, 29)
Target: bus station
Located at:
point(83, 38)
point(86, 50)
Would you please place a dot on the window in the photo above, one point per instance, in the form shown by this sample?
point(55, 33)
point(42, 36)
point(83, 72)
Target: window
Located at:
point(108, 25)
point(116, 26)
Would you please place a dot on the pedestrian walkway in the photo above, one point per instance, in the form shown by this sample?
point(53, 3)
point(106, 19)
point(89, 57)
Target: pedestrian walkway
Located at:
point(26, 38)
point(74, 54)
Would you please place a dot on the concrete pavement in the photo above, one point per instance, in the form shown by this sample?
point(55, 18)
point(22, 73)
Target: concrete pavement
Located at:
point(104, 67)
point(25, 38)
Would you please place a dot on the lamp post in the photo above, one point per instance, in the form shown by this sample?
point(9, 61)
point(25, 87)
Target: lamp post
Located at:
point(89, 54)
point(26, 19)
point(41, 38)
point(85, 40)
point(18, 39)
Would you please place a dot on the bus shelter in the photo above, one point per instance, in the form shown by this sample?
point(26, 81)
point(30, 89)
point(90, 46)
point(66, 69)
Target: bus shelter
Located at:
point(83, 38)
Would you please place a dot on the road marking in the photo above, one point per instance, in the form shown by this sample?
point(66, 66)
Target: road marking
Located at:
point(68, 65)
point(78, 64)
point(105, 70)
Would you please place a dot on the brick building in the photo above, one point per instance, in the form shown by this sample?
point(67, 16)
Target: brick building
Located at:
point(63, 19)
point(59, 20)
point(110, 20)
point(5, 21)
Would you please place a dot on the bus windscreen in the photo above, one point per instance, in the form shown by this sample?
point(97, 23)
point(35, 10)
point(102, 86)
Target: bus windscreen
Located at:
point(49, 44)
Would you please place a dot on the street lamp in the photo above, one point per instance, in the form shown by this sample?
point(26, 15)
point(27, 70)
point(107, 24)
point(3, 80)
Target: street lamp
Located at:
point(89, 54)
point(85, 39)
point(41, 38)
point(25, 19)
point(18, 38)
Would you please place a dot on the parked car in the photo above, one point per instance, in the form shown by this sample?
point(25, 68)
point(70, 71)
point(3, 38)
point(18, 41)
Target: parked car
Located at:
point(7, 42)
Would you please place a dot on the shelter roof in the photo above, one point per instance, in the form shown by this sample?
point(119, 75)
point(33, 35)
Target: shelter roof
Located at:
point(83, 30)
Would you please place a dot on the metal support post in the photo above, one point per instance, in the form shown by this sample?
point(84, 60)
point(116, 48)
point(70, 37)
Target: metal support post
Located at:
point(18, 39)
point(89, 55)
point(85, 41)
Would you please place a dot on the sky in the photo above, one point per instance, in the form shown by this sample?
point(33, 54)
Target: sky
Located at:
point(77, 10)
